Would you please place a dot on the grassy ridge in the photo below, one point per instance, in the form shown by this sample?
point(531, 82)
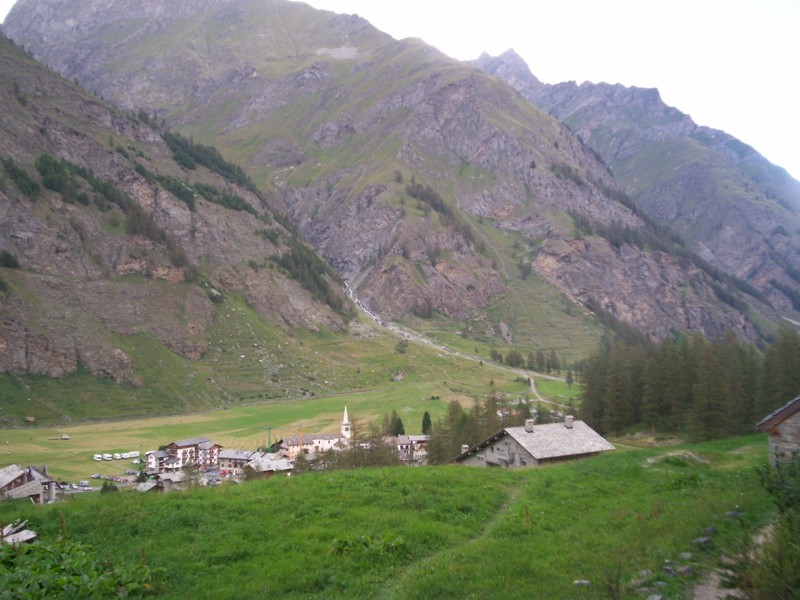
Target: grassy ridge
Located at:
point(431, 532)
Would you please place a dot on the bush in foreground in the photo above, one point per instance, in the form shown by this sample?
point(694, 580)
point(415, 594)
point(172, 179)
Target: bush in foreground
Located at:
point(66, 570)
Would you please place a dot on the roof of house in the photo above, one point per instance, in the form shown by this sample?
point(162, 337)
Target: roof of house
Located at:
point(263, 462)
point(207, 445)
point(551, 441)
point(9, 474)
point(190, 442)
point(39, 474)
point(779, 416)
point(157, 453)
point(230, 454)
point(145, 486)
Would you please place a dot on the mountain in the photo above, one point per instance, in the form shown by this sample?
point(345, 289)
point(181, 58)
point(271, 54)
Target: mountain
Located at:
point(434, 189)
point(731, 206)
point(115, 258)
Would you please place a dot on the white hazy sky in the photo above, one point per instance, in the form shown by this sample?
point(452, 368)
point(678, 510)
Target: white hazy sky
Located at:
point(730, 64)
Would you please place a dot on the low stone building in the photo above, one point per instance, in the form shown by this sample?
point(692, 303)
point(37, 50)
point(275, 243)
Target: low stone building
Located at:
point(267, 464)
point(534, 445)
point(783, 427)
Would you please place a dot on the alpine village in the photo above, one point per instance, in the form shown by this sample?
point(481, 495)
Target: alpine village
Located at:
point(291, 308)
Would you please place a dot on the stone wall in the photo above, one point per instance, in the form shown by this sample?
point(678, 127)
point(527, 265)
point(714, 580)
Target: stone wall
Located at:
point(784, 439)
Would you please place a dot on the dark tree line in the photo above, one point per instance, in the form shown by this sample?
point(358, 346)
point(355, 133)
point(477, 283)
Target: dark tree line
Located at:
point(701, 388)
point(538, 362)
point(188, 154)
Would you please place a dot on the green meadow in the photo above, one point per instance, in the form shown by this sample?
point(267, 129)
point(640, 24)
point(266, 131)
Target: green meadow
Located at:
point(442, 532)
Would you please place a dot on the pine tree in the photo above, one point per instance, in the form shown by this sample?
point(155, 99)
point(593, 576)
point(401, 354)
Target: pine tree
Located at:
point(707, 415)
point(781, 375)
point(593, 393)
point(426, 423)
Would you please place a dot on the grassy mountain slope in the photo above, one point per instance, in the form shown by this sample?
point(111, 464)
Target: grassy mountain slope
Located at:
point(335, 119)
point(442, 531)
point(734, 208)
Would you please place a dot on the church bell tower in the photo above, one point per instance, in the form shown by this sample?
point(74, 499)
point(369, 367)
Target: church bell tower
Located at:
point(345, 425)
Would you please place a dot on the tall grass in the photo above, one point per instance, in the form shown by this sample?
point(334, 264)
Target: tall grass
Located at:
point(432, 532)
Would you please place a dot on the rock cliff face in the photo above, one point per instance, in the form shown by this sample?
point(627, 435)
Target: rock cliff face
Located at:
point(86, 276)
point(401, 166)
point(731, 205)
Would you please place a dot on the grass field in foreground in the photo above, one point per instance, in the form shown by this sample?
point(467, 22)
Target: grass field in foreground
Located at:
point(444, 532)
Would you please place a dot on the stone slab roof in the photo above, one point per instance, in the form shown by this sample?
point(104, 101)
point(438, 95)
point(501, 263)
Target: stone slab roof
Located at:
point(230, 454)
point(190, 442)
point(266, 462)
point(559, 441)
point(552, 441)
point(779, 416)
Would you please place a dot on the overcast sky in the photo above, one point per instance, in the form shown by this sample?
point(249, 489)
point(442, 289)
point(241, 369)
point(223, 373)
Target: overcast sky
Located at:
point(730, 64)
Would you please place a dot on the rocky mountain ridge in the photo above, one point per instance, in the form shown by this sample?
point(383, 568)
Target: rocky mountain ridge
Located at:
point(430, 186)
point(733, 207)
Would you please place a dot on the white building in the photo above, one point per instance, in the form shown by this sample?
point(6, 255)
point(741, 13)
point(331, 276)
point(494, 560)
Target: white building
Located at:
point(320, 442)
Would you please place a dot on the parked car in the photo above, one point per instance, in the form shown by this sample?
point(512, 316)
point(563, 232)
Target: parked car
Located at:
point(97, 476)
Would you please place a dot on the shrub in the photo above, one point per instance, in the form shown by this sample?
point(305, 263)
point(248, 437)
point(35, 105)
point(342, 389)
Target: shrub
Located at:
point(66, 570)
point(25, 184)
point(8, 260)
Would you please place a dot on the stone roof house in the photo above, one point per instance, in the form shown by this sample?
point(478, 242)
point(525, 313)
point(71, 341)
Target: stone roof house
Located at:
point(783, 426)
point(267, 464)
point(534, 445)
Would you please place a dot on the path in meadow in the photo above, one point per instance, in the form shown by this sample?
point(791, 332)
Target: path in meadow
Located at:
point(397, 584)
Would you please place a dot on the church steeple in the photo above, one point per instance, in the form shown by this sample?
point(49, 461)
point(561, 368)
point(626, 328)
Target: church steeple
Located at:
point(345, 425)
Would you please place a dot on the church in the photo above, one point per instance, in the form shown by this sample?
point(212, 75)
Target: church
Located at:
point(319, 442)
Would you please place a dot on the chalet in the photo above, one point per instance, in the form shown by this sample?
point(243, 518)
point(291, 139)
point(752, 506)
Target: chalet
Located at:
point(31, 483)
point(783, 426)
point(234, 461)
point(534, 445)
point(157, 461)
